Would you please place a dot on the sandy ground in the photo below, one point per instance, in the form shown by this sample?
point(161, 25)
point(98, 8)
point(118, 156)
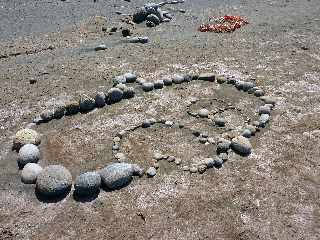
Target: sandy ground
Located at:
point(272, 194)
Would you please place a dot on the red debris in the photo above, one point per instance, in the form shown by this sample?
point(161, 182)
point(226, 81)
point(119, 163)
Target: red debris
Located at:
point(226, 23)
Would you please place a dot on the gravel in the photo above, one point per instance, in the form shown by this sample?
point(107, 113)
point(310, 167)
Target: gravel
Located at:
point(53, 181)
point(30, 173)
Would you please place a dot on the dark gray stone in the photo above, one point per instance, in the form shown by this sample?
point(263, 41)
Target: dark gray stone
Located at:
point(100, 99)
point(140, 15)
point(87, 184)
point(115, 95)
point(167, 81)
point(223, 146)
point(53, 181)
point(220, 122)
point(130, 77)
point(86, 103)
point(46, 115)
point(158, 84)
point(147, 86)
point(129, 92)
point(207, 77)
point(153, 18)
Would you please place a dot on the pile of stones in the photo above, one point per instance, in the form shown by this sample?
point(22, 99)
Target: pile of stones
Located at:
point(152, 14)
point(56, 180)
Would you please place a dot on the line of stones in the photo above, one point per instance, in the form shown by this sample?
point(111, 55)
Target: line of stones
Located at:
point(27, 139)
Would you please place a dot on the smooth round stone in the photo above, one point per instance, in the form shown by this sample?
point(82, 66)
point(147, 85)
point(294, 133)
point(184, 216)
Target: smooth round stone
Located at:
point(119, 79)
point(86, 104)
point(140, 80)
point(153, 18)
point(263, 120)
point(121, 157)
point(203, 140)
point(28, 153)
point(220, 122)
point(140, 15)
point(158, 84)
point(185, 168)
point(218, 162)
point(137, 170)
point(147, 86)
point(53, 181)
point(115, 95)
point(129, 92)
point(171, 159)
point(209, 162)
point(30, 173)
point(193, 169)
point(259, 93)
point(245, 86)
point(177, 79)
point(151, 172)
point(46, 115)
point(223, 156)
point(100, 99)
point(223, 146)
point(202, 168)
point(167, 81)
point(72, 107)
point(204, 113)
point(178, 161)
point(130, 77)
point(241, 145)
point(59, 111)
point(246, 133)
point(116, 175)
point(211, 77)
point(187, 78)
point(269, 100)
point(252, 129)
point(264, 110)
point(150, 24)
point(100, 47)
point(87, 183)
point(146, 123)
point(26, 136)
point(221, 79)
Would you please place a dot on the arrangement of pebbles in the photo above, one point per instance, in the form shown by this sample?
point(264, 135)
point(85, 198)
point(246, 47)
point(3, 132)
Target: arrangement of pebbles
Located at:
point(56, 180)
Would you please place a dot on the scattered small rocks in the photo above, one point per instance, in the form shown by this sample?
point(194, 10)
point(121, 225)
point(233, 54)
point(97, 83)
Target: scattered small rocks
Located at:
point(30, 173)
point(53, 181)
point(87, 184)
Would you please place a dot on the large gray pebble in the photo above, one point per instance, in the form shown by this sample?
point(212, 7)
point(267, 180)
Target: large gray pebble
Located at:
point(119, 79)
point(100, 99)
point(158, 84)
point(86, 103)
point(167, 81)
point(203, 113)
point(220, 122)
point(241, 145)
point(151, 172)
point(153, 18)
point(87, 183)
point(263, 120)
point(223, 146)
point(259, 93)
point(269, 100)
point(140, 15)
point(116, 175)
point(46, 115)
point(29, 153)
point(207, 77)
point(115, 95)
point(128, 92)
point(147, 86)
point(26, 136)
point(53, 181)
point(265, 109)
point(30, 173)
point(130, 77)
point(177, 79)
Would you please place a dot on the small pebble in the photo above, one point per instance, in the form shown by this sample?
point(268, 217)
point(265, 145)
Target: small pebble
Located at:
point(185, 168)
point(218, 163)
point(193, 169)
point(26, 136)
point(87, 184)
point(223, 156)
point(86, 103)
point(72, 107)
point(114, 95)
point(241, 145)
point(46, 115)
point(146, 123)
point(259, 93)
point(220, 122)
point(177, 161)
point(265, 109)
point(167, 81)
point(263, 120)
point(153, 18)
point(100, 47)
point(158, 84)
point(171, 159)
point(269, 100)
point(129, 92)
point(246, 133)
point(221, 79)
point(203, 140)
point(202, 168)
point(121, 157)
point(158, 156)
point(169, 123)
point(209, 162)
point(203, 113)
point(130, 77)
point(147, 86)
point(151, 172)
point(223, 146)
